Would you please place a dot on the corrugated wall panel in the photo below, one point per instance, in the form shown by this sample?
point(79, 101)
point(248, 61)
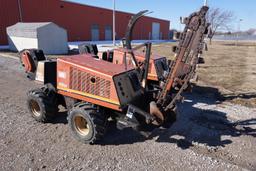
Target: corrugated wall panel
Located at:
point(9, 15)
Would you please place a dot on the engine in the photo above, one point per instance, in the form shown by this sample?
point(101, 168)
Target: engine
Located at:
point(97, 81)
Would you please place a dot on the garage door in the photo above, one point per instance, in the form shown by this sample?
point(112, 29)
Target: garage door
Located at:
point(108, 33)
point(155, 31)
point(95, 31)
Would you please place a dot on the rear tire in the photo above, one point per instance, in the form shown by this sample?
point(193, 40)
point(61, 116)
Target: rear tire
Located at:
point(87, 123)
point(171, 117)
point(41, 106)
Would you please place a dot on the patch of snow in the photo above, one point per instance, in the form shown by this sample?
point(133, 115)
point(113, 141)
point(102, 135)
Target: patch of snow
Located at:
point(108, 45)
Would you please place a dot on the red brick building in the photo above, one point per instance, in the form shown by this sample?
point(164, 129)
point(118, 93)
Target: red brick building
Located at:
point(82, 22)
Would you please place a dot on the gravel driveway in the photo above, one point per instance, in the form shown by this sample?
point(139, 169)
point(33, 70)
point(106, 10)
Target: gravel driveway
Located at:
point(209, 135)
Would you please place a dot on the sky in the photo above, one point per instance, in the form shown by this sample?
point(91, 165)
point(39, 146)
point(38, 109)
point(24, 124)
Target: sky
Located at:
point(172, 10)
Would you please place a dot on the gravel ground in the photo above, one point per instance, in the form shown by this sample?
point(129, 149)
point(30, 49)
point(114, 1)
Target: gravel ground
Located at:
point(209, 135)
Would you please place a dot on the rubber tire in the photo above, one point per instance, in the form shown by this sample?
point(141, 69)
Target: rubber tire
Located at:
point(171, 117)
point(47, 105)
point(96, 120)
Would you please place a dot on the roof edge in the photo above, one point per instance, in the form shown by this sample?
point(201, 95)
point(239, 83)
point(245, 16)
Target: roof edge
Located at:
point(72, 2)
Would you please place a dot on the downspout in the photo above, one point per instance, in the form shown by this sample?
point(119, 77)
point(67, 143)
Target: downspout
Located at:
point(20, 10)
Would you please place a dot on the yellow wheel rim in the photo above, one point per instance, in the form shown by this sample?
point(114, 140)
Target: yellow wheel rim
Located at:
point(81, 125)
point(35, 108)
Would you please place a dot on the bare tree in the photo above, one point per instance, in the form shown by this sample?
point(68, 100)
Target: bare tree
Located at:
point(219, 20)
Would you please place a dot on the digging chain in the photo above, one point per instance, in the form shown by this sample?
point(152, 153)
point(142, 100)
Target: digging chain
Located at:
point(189, 49)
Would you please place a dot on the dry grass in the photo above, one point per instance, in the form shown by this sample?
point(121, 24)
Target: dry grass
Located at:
point(230, 67)
point(164, 49)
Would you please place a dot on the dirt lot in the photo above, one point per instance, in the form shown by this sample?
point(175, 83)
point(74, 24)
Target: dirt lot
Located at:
point(209, 135)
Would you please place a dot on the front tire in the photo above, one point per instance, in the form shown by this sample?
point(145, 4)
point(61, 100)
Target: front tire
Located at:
point(41, 106)
point(87, 124)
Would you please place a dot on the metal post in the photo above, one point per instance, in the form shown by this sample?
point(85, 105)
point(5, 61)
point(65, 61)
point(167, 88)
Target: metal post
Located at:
point(205, 2)
point(20, 10)
point(114, 23)
point(238, 30)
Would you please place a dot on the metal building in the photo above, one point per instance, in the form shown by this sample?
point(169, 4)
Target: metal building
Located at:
point(82, 22)
point(47, 36)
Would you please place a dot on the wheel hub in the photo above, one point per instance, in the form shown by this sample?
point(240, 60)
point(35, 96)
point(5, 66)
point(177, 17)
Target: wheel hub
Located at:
point(35, 108)
point(81, 125)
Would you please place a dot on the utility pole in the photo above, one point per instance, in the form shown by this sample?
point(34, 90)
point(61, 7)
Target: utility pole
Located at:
point(20, 10)
point(238, 30)
point(114, 22)
point(205, 2)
